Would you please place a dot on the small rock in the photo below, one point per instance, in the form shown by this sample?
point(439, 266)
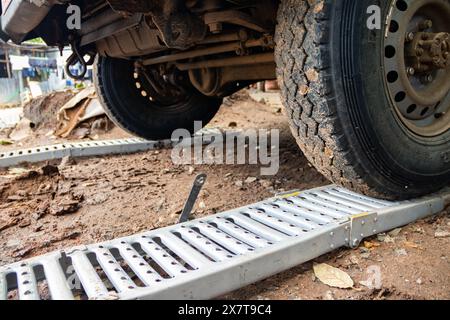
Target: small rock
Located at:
point(70, 235)
point(50, 133)
point(441, 234)
point(97, 199)
point(329, 295)
point(363, 250)
point(312, 75)
point(17, 171)
point(389, 239)
point(266, 183)
point(162, 220)
point(191, 170)
point(13, 243)
point(419, 281)
point(160, 204)
point(395, 232)
point(369, 284)
point(250, 180)
point(239, 183)
point(418, 230)
point(49, 170)
point(24, 223)
point(15, 198)
point(365, 255)
point(41, 210)
point(353, 259)
point(44, 188)
point(66, 162)
point(202, 205)
point(303, 90)
point(64, 207)
point(22, 193)
point(89, 184)
point(400, 252)
point(22, 252)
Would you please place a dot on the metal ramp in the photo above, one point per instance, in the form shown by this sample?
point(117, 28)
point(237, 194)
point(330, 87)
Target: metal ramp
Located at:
point(208, 257)
point(97, 148)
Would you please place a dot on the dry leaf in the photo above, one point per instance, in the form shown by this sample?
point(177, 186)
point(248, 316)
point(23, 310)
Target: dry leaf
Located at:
point(5, 143)
point(371, 244)
point(332, 276)
point(412, 245)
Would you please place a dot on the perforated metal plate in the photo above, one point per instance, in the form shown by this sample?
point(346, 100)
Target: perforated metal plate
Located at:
point(91, 148)
point(211, 256)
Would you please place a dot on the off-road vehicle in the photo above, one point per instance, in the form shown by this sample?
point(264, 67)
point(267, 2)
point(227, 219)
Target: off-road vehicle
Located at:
point(365, 83)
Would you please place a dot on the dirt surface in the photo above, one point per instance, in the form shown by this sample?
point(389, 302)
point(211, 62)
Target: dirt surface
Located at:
point(45, 207)
point(39, 124)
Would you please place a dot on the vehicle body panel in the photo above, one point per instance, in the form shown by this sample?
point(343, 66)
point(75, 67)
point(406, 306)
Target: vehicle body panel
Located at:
point(20, 17)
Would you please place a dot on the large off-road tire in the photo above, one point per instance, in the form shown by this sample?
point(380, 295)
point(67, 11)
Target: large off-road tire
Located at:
point(339, 95)
point(134, 106)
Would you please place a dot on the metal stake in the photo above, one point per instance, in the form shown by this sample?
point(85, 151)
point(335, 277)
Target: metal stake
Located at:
point(199, 182)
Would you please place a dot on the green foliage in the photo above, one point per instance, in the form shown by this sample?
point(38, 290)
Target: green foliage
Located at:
point(36, 41)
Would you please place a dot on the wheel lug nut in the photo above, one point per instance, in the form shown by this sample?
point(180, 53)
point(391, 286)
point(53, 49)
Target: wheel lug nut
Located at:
point(410, 36)
point(410, 71)
point(426, 78)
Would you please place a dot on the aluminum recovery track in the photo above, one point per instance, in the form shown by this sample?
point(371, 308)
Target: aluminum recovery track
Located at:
point(97, 148)
point(208, 257)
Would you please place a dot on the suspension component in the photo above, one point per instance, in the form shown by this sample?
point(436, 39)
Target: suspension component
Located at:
point(77, 56)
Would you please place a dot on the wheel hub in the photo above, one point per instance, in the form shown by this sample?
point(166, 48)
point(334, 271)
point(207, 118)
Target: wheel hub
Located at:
point(417, 64)
point(429, 51)
point(161, 90)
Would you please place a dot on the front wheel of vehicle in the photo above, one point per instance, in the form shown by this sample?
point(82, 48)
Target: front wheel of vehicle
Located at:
point(369, 104)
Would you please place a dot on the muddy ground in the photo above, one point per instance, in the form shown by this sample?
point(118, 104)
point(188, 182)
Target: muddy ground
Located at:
point(45, 207)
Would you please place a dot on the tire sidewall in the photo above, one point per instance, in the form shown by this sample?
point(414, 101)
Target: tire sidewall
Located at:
point(389, 146)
